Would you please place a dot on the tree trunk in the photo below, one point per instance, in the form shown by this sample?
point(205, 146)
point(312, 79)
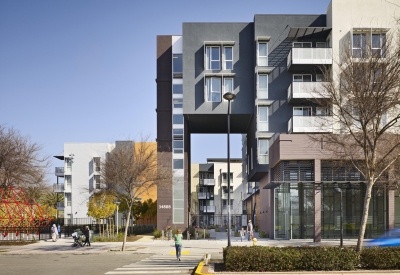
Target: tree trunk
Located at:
point(364, 219)
point(126, 227)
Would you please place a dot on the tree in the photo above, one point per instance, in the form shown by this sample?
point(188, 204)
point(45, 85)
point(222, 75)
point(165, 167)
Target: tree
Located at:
point(21, 163)
point(364, 102)
point(101, 206)
point(50, 200)
point(131, 170)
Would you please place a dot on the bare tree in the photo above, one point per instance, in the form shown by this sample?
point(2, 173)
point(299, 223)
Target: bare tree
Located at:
point(21, 162)
point(364, 102)
point(131, 170)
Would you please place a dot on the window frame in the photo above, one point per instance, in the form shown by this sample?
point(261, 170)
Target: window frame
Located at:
point(209, 55)
point(382, 45)
point(362, 44)
point(302, 77)
point(262, 122)
point(303, 108)
point(226, 59)
point(262, 57)
point(260, 155)
point(209, 93)
point(262, 93)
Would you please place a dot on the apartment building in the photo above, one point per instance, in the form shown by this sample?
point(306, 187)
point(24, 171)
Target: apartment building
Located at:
point(79, 178)
point(273, 66)
point(209, 193)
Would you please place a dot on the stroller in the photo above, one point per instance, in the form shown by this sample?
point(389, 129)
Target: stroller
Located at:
point(78, 239)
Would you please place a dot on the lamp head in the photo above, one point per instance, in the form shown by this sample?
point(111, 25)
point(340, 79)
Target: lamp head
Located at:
point(337, 190)
point(229, 96)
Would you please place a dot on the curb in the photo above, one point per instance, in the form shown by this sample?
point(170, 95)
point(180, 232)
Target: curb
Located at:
point(199, 269)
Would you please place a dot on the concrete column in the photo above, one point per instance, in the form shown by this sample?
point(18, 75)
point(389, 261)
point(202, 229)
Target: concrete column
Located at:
point(317, 200)
point(390, 208)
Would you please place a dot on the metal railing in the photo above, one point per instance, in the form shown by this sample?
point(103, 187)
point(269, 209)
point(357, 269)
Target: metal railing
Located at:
point(306, 90)
point(207, 182)
point(59, 171)
point(315, 56)
point(310, 124)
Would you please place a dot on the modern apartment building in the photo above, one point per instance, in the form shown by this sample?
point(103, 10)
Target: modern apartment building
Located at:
point(79, 178)
point(209, 193)
point(273, 65)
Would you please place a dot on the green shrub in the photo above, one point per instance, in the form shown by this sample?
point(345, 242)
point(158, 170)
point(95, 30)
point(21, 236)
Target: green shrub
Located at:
point(157, 233)
point(263, 234)
point(217, 229)
point(275, 259)
point(256, 229)
point(380, 258)
point(202, 232)
point(237, 234)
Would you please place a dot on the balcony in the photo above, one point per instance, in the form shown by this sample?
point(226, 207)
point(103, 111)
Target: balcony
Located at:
point(299, 91)
point(207, 208)
point(207, 182)
point(309, 56)
point(310, 124)
point(58, 188)
point(59, 172)
point(60, 205)
point(205, 195)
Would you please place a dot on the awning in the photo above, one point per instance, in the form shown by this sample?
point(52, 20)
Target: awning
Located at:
point(308, 32)
point(60, 155)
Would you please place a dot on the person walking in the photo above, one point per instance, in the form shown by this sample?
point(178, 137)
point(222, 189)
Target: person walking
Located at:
point(242, 234)
point(178, 243)
point(87, 234)
point(59, 231)
point(54, 233)
point(250, 230)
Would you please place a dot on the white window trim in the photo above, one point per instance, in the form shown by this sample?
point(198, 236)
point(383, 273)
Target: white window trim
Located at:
point(302, 44)
point(209, 60)
point(225, 59)
point(263, 89)
point(259, 121)
point(302, 77)
point(263, 56)
point(303, 107)
point(206, 88)
point(259, 152)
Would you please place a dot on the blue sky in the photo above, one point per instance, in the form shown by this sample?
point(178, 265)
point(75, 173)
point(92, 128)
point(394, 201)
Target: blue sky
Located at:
point(84, 71)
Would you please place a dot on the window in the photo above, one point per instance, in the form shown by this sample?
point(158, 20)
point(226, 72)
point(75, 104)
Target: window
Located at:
point(177, 65)
point(262, 91)
point(262, 54)
point(322, 111)
point(177, 119)
point(225, 204)
point(177, 89)
point(262, 118)
point(213, 58)
point(320, 78)
point(228, 85)
point(359, 45)
point(302, 78)
point(225, 177)
point(302, 45)
point(213, 89)
point(178, 146)
point(263, 148)
point(177, 133)
point(225, 189)
point(178, 102)
point(178, 164)
point(302, 111)
point(378, 44)
point(321, 45)
point(228, 55)
point(97, 181)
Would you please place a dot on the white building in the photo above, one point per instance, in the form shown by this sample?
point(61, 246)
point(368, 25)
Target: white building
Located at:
point(81, 173)
point(209, 192)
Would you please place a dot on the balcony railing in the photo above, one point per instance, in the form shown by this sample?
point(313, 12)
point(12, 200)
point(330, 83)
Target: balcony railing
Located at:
point(59, 171)
point(205, 195)
point(208, 208)
point(304, 90)
point(207, 182)
point(312, 56)
point(310, 124)
point(58, 188)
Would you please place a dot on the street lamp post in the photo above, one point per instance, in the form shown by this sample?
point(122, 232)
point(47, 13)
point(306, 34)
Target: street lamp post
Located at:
point(338, 190)
point(117, 203)
point(229, 96)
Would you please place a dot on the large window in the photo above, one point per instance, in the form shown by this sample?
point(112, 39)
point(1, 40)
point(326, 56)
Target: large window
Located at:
point(262, 54)
point(228, 85)
point(378, 44)
point(225, 177)
point(177, 119)
point(177, 89)
point(225, 204)
point(263, 148)
point(177, 67)
point(302, 78)
point(262, 91)
point(213, 89)
point(262, 118)
point(359, 45)
point(178, 146)
point(302, 45)
point(213, 58)
point(178, 164)
point(178, 103)
point(302, 111)
point(228, 55)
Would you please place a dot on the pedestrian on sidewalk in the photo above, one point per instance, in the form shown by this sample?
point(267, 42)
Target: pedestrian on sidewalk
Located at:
point(178, 244)
point(242, 234)
point(87, 234)
point(250, 230)
point(59, 231)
